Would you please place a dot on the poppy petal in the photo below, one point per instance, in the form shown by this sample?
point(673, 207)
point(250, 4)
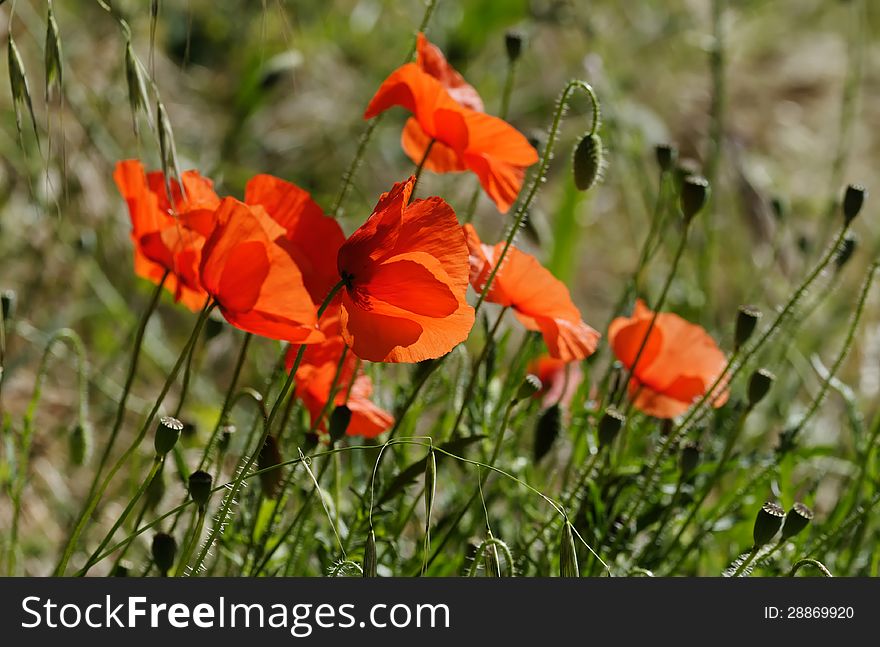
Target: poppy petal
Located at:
point(442, 158)
point(431, 60)
point(373, 336)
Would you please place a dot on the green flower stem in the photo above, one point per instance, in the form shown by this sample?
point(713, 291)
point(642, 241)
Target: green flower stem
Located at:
point(191, 543)
point(92, 501)
point(748, 560)
point(815, 563)
point(421, 166)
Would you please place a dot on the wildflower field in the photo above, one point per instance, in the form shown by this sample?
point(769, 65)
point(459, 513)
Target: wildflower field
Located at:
point(439, 288)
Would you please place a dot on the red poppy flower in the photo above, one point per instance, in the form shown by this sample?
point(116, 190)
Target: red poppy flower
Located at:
point(679, 362)
point(247, 268)
point(464, 139)
point(559, 379)
point(406, 273)
point(316, 373)
point(163, 239)
point(538, 299)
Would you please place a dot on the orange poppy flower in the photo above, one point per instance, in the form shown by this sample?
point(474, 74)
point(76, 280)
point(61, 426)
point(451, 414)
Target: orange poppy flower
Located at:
point(559, 379)
point(163, 240)
point(314, 380)
point(406, 274)
point(538, 299)
point(247, 268)
point(464, 139)
point(679, 362)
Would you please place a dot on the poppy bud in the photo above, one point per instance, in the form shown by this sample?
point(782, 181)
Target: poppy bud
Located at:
point(80, 443)
point(513, 42)
point(200, 487)
point(588, 161)
point(370, 555)
point(767, 523)
point(853, 199)
point(694, 194)
point(609, 426)
point(164, 550)
point(339, 421)
point(213, 327)
point(310, 441)
point(689, 459)
point(846, 250)
point(270, 456)
point(7, 299)
point(746, 320)
point(120, 570)
point(759, 385)
point(568, 564)
point(167, 434)
point(529, 387)
point(666, 156)
point(226, 433)
point(798, 518)
point(546, 431)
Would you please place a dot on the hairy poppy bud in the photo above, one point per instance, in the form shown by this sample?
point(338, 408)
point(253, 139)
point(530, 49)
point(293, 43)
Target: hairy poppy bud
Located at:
point(513, 43)
point(853, 199)
point(269, 456)
point(846, 250)
point(164, 550)
point(798, 518)
point(694, 194)
point(689, 459)
point(80, 443)
point(767, 523)
point(568, 564)
point(529, 387)
point(667, 156)
point(759, 385)
point(588, 161)
point(200, 487)
point(746, 320)
point(339, 421)
point(609, 426)
point(546, 431)
point(167, 434)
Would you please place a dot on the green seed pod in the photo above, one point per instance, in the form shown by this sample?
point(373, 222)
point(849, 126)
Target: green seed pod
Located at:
point(588, 161)
point(21, 94)
point(767, 523)
point(370, 555)
point(513, 43)
point(568, 564)
point(694, 195)
point(200, 487)
point(137, 87)
point(167, 434)
point(54, 67)
point(529, 387)
point(846, 250)
point(270, 456)
point(667, 156)
point(164, 551)
point(339, 421)
point(759, 385)
point(610, 425)
point(546, 431)
point(746, 320)
point(798, 518)
point(689, 459)
point(80, 443)
point(853, 199)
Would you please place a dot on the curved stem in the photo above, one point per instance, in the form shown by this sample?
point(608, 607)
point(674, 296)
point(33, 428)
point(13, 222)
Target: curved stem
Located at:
point(815, 563)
